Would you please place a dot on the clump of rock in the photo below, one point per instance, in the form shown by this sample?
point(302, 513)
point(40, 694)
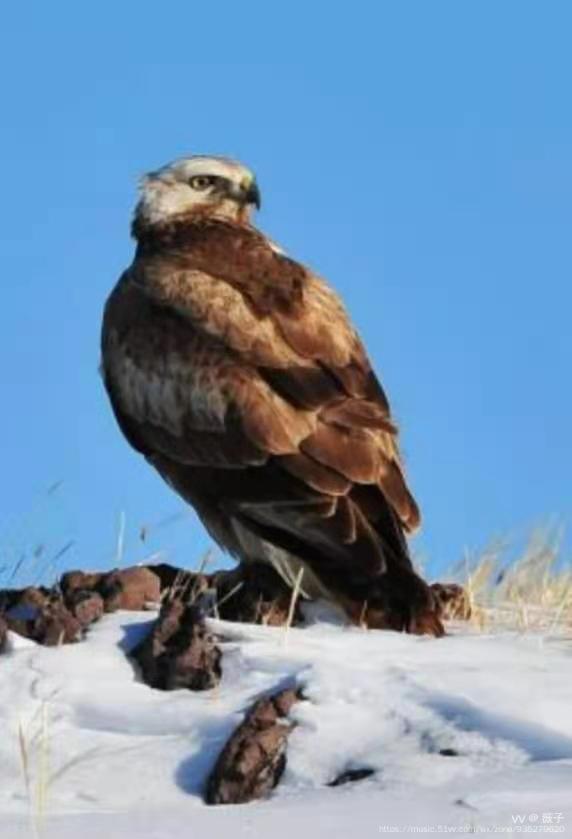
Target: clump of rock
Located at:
point(179, 652)
point(132, 588)
point(254, 758)
point(61, 615)
point(42, 617)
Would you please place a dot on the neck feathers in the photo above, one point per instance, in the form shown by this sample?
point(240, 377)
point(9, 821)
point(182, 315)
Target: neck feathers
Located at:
point(190, 232)
point(145, 225)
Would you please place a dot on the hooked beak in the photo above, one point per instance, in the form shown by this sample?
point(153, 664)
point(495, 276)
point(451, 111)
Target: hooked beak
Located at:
point(252, 195)
point(247, 193)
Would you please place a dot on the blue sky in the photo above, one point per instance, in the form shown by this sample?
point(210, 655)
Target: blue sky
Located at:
point(417, 154)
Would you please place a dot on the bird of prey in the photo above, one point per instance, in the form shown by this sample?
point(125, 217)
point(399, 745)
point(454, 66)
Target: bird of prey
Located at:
point(236, 372)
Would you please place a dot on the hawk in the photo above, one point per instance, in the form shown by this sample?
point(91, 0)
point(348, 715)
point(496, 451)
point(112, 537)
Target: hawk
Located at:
point(236, 372)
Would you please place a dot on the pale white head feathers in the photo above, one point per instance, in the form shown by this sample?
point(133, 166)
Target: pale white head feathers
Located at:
point(202, 184)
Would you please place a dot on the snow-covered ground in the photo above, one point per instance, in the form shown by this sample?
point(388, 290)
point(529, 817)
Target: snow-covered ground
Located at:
point(113, 759)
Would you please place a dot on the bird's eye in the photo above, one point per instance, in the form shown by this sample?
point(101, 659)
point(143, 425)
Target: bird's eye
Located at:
point(201, 182)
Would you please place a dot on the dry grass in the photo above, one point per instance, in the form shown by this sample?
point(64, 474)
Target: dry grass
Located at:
point(532, 592)
point(34, 742)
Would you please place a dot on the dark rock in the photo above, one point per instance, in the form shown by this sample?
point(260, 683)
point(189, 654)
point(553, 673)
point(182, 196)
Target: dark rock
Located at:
point(448, 753)
point(351, 775)
point(86, 606)
point(30, 596)
point(23, 612)
point(253, 760)
point(51, 624)
point(72, 580)
point(34, 596)
point(179, 652)
point(110, 590)
point(57, 626)
point(453, 602)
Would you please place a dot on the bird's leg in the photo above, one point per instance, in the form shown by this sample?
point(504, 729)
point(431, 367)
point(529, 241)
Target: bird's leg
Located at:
point(399, 600)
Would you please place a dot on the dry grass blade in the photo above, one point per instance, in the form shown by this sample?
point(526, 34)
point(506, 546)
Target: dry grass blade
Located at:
point(24, 762)
point(120, 546)
point(43, 767)
point(293, 601)
point(26, 773)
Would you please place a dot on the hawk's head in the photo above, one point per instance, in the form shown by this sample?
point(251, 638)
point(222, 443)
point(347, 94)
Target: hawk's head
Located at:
point(199, 184)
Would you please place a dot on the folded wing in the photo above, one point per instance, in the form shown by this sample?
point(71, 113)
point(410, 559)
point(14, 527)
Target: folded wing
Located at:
point(235, 369)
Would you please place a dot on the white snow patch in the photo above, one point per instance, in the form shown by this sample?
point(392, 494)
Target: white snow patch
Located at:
point(123, 760)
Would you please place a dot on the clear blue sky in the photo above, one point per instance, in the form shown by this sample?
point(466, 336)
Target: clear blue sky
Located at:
point(418, 154)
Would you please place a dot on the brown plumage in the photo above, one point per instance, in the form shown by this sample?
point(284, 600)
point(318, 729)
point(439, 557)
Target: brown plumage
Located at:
point(236, 372)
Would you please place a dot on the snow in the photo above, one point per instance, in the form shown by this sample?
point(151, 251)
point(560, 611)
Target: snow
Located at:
point(115, 758)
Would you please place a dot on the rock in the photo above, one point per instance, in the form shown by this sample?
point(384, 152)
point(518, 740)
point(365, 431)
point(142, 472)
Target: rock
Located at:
point(87, 606)
point(138, 587)
point(30, 596)
point(57, 626)
point(110, 590)
point(72, 580)
point(453, 602)
point(59, 615)
point(51, 624)
point(179, 652)
point(253, 760)
point(350, 776)
point(34, 596)
point(127, 588)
